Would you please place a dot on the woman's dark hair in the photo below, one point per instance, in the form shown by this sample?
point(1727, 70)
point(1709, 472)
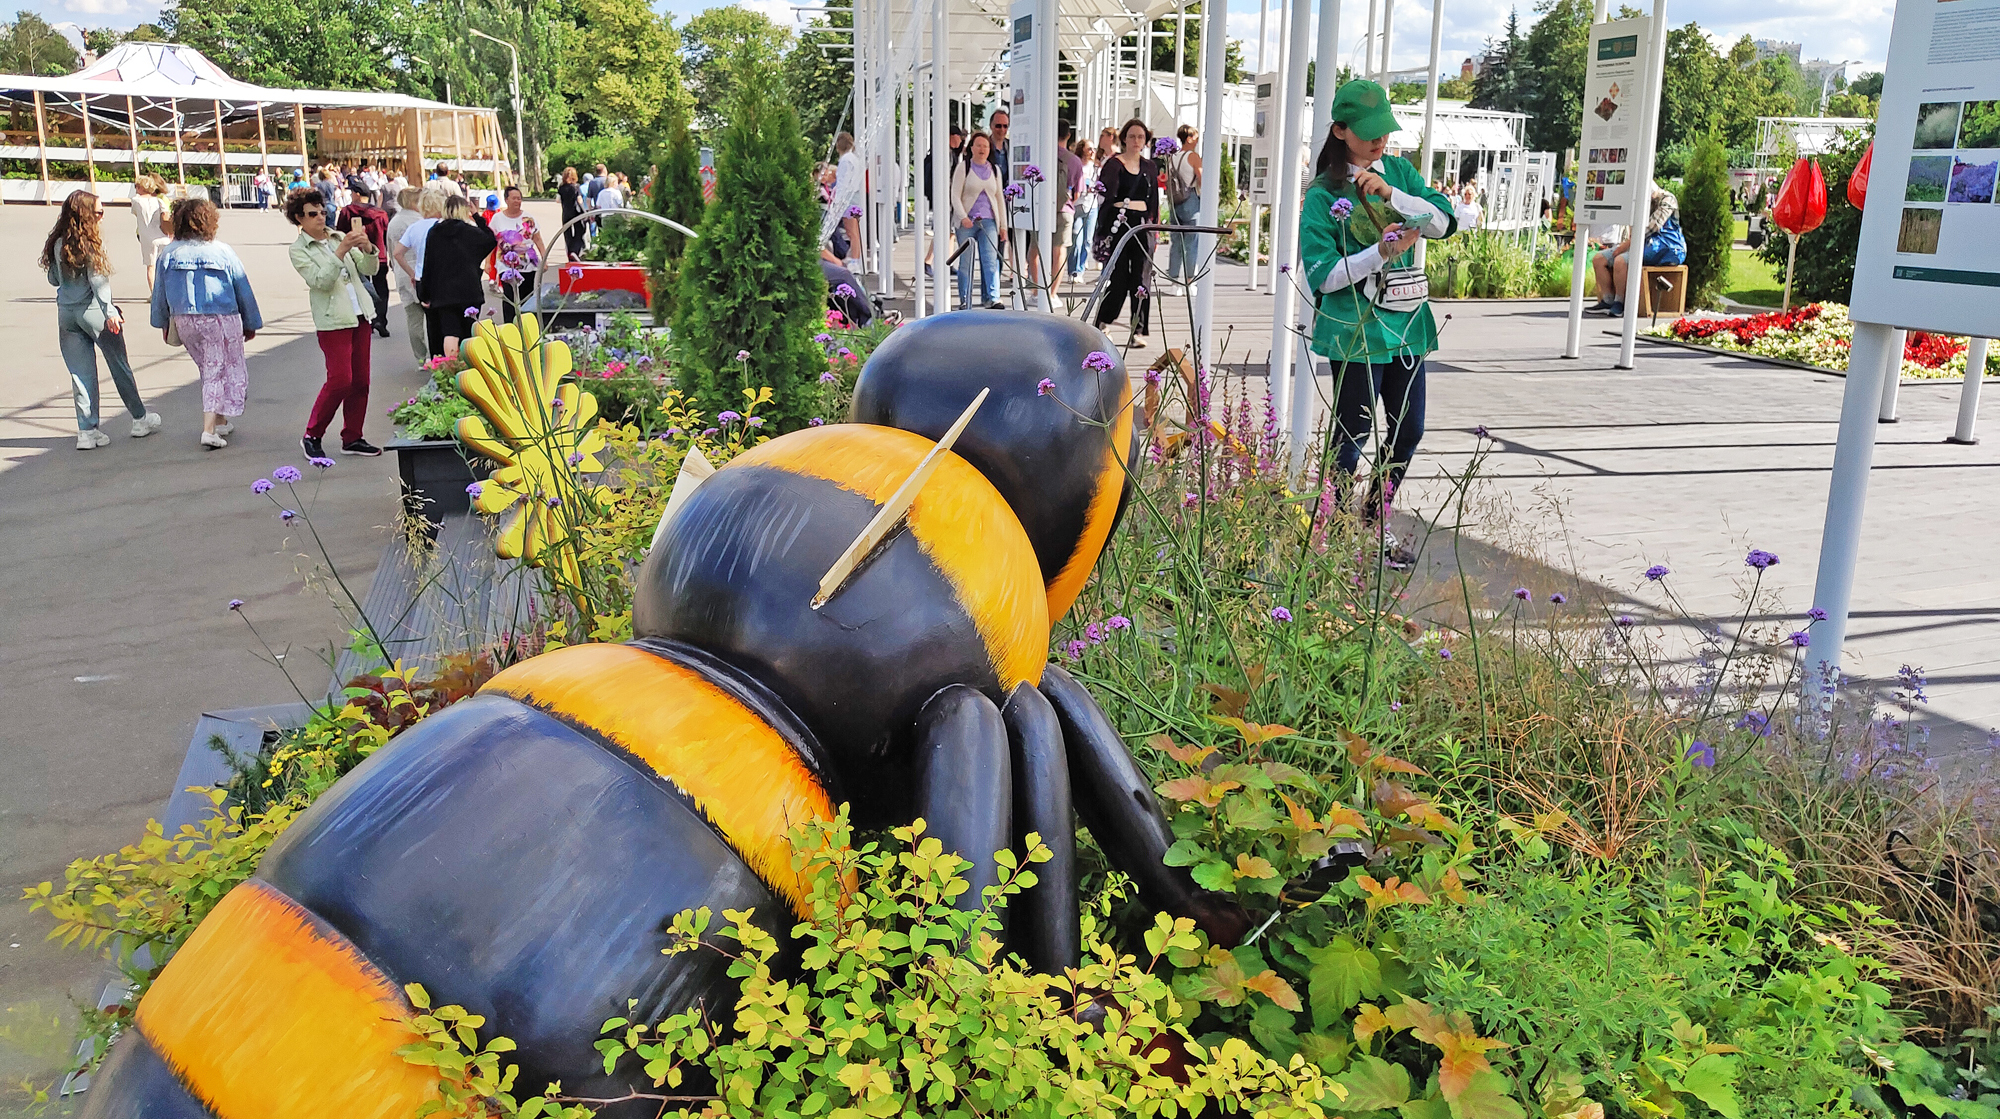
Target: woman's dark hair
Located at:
point(979, 135)
point(1129, 125)
point(511, 188)
point(1331, 166)
point(297, 201)
point(195, 219)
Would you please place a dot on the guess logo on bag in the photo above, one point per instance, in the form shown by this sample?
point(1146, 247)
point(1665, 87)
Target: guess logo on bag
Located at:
point(1400, 289)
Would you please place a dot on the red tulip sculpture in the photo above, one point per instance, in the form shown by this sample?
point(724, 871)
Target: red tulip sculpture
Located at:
point(1857, 183)
point(1800, 207)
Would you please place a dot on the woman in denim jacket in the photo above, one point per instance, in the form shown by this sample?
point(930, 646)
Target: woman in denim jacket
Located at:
point(200, 287)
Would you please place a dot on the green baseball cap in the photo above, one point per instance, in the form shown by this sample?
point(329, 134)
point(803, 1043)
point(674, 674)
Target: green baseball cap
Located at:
point(1364, 108)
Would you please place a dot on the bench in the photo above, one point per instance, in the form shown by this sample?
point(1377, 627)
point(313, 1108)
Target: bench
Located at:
point(1671, 282)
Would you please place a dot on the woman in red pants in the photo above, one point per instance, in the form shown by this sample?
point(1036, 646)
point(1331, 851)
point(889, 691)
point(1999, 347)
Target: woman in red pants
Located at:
point(342, 306)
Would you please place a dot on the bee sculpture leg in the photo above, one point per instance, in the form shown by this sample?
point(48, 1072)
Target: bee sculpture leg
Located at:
point(1118, 806)
point(965, 787)
point(1045, 923)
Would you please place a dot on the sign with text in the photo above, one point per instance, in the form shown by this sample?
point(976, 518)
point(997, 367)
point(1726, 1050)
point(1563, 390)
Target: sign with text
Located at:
point(1264, 140)
point(1024, 108)
point(1929, 257)
point(1615, 96)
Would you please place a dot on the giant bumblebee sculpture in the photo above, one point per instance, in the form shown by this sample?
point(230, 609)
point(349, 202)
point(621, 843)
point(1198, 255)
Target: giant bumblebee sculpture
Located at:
point(522, 852)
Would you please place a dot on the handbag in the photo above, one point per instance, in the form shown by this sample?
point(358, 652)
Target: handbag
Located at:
point(173, 333)
point(1401, 290)
point(1102, 245)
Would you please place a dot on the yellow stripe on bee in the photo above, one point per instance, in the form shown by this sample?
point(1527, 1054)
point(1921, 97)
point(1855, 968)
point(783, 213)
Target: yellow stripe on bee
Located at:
point(960, 521)
point(743, 775)
point(267, 1013)
point(1103, 513)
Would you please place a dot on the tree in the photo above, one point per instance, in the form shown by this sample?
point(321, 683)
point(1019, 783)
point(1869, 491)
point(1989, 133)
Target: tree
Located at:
point(621, 67)
point(820, 76)
point(1708, 221)
point(1747, 89)
point(1552, 64)
point(1499, 84)
point(441, 61)
point(675, 195)
point(1689, 103)
point(715, 43)
point(1827, 254)
point(309, 44)
point(751, 282)
point(102, 40)
point(30, 46)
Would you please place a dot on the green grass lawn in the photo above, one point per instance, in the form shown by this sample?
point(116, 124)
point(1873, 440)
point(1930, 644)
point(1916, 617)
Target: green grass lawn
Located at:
point(1752, 281)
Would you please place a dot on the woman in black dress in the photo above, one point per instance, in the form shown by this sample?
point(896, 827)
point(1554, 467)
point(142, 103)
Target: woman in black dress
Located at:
point(455, 253)
point(572, 205)
point(1131, 183)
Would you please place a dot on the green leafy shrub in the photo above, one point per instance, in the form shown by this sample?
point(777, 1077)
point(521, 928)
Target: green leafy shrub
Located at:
point(675, 195)
point(751, 284)
point(1708, 221)
point(615, 151)
point(1825, 270)
point(907, 1004)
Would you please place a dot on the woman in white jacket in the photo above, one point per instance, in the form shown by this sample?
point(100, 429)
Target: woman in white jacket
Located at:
point(979, 205)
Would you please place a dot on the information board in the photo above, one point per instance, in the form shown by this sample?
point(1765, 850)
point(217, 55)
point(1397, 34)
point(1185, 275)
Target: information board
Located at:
point(1024, 106)
point(1264, 139)
point(1929, 257)
point(1614, 111)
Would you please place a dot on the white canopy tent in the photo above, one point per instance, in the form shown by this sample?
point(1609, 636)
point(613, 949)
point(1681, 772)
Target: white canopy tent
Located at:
point(151, 106)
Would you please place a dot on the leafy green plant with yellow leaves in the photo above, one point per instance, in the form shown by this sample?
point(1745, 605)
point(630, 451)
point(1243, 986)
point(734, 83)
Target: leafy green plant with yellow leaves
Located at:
point(907, 1004)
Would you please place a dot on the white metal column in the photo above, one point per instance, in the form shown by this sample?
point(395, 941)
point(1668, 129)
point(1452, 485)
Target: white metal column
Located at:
point(1326, 79)
point(1876, 353)
point(1642, 198)
point(1047, 61)
point(1968, 396)
point(1285, 214)
point(940, 155)
point(1579, 241)
point(1214, 45)
point(1368, 40)
point(1890, 386)
point(1388, 37)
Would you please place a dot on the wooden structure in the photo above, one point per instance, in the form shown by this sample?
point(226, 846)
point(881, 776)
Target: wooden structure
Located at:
point(164, 107)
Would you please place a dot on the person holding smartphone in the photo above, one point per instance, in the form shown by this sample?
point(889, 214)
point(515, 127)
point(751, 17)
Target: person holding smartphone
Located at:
point(1372, 319)
point(335, 269)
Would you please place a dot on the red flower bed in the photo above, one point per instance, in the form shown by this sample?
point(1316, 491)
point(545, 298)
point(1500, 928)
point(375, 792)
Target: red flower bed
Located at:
point(1931, 351)
point(1746, 328)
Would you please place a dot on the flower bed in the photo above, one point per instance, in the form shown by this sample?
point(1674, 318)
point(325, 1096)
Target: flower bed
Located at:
point(1820, 334)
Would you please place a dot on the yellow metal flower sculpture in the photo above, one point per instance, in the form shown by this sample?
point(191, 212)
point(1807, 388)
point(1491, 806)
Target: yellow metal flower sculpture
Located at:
point(542, 432)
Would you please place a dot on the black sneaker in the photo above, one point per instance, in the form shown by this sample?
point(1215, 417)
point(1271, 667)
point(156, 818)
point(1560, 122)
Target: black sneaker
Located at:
point(360, 447)
point(312, 446)
point(382, 329)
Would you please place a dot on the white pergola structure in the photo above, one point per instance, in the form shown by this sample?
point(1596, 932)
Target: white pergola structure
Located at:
point(915, 59)
point(166, 107)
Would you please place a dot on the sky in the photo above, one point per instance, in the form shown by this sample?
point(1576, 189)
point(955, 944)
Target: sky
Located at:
point(1830, 29)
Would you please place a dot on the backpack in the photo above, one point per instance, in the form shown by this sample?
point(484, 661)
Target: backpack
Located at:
point(1180, 177)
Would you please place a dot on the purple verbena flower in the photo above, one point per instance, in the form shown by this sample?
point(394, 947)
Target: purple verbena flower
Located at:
point(754, 421)
point(472, 312)
point(1094, 633)
point(823, 338)
point(474, 490)
point(815, 422)
point(1816, 614)
point(1760, 559)
point(1280, 614)
point(236, 604)
point(1074, 650)
point(322, 463)
point(854, 211)
point(1800, 638)
point(827, 378)
point(1626, 621)
point(1165, 146)
point(1097, 361)
point(1558, 599)
point(1152, 376)
point(1481, 432)
point(1342, 208)
point(1284, 268)
point(743, 355)
point(1030, 173)
point(1444, 654)
point(1014, 190)
point(843, 353)
point(1522, 594)
point(846, 291)
point(1190, 499)
point(1701, 754)
point(287, 474)
point(1118, 621)
point(261, 486)
point(286, 515)
point(1045, 387)
point(728, 417)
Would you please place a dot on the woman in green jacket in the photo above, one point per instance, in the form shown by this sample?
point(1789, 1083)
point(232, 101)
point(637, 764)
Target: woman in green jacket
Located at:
point(1372, 317)
point(343, 307)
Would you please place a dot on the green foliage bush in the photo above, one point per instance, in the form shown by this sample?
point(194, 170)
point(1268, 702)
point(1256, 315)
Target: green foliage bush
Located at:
point(1825, 269)
point(751, 283)
point(1707, 220)
point(676, 195)
point(616, 151)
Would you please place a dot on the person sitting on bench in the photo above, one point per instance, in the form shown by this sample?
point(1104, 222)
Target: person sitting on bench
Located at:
point(1665, 247)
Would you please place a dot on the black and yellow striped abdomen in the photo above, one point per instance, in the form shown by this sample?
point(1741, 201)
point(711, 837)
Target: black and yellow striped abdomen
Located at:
point(519, 853)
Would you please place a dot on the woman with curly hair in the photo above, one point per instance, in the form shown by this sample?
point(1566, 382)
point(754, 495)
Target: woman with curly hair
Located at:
point(335, 269)
point(87, 320)
point(201, 291)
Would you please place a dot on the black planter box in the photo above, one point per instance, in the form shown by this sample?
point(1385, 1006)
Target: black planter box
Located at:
point(435, 473)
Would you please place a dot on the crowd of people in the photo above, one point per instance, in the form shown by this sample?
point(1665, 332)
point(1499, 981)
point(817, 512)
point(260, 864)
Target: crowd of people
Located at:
point(446, 246)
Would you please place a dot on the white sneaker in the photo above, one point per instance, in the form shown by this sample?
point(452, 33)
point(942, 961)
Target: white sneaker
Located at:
point(91, 440)
point(225, 428)
point(145, 427)
point(213, 440)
